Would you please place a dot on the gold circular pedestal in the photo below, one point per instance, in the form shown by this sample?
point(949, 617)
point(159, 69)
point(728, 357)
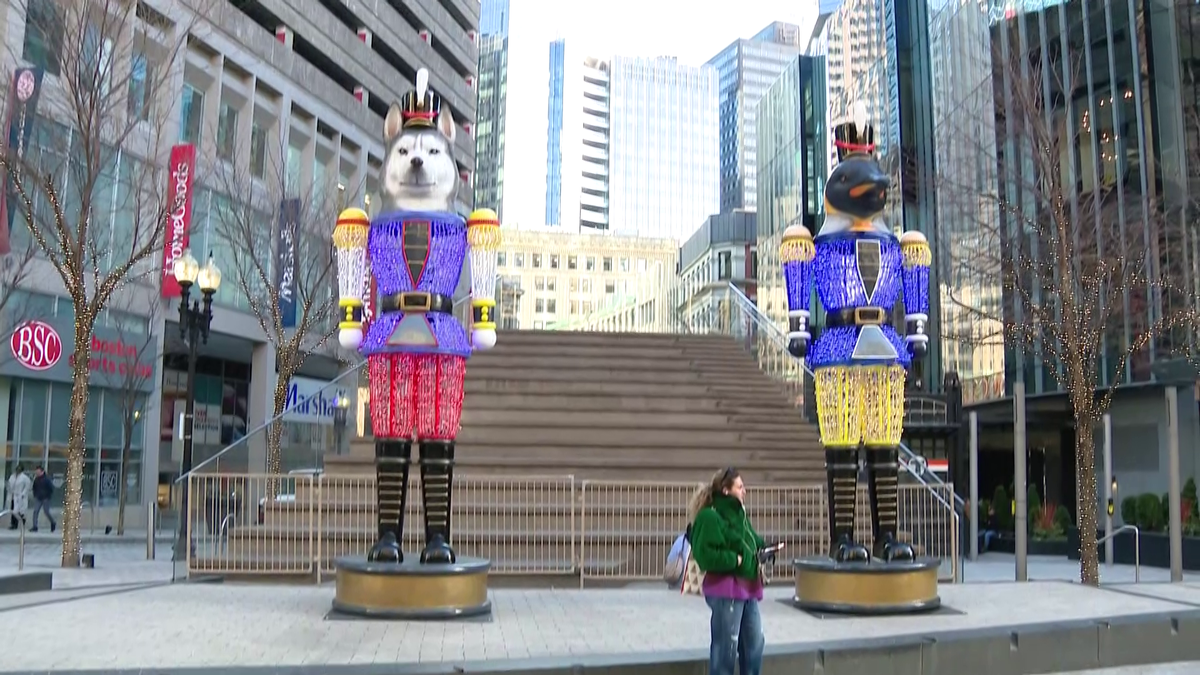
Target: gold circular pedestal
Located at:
point(825, 585)
point(411, 590)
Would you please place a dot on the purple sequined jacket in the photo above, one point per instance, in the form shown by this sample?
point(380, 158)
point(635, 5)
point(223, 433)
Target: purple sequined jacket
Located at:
point(423, 252)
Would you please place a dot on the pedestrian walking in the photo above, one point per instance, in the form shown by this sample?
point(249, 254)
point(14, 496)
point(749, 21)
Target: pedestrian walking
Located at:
point(19, 487)
point(43, 491)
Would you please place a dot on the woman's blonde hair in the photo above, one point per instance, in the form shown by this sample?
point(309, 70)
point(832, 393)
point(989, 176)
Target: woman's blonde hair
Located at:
point(703, 496)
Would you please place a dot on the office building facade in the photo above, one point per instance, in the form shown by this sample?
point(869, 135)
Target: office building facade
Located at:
point(491, 106)
point(745, 69)
point(721, 254)
point(295, 101)
point(792, 168)
point(566, 281)
point(633, 147)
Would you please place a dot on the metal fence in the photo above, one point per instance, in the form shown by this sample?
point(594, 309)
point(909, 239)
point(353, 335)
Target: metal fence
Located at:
point(616, 531)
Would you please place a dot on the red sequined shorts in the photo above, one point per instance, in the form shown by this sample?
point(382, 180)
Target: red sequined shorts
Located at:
point(416, 395)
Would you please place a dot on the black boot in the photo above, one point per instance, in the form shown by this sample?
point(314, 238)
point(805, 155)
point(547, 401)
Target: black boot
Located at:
point(391, 498)
point(883, 471)
point(437, 473)
point(841, 468)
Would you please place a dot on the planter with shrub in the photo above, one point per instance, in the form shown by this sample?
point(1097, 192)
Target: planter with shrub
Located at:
point(1150, 513)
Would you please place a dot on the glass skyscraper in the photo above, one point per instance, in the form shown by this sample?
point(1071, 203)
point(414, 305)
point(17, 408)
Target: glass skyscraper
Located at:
point(631, 144)
point(745, 69)
point(554, 128)
point(792, 167)
point(491, 103)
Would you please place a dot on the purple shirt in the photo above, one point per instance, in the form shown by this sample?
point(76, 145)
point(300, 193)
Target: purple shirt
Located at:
point(729, 587)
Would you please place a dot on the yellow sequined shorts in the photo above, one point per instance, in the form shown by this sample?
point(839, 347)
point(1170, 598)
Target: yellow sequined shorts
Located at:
point(860, 405)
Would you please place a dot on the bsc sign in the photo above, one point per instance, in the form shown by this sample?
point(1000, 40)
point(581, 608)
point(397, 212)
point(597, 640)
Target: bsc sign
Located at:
point(36, 345)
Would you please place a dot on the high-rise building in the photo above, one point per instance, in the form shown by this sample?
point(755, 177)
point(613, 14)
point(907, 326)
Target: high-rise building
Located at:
point(281, 96)
point(492, 104)
point(792, 164)
point(554, 129)
point(745, 69)
point(636, 146)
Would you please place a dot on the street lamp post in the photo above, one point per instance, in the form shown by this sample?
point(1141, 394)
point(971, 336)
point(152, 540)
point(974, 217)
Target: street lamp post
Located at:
point(339, 422)
point(195, 318)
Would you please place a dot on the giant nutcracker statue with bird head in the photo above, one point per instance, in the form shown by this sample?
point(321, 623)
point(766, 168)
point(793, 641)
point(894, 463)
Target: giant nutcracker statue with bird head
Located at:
point(416, 349)
point(860, 269)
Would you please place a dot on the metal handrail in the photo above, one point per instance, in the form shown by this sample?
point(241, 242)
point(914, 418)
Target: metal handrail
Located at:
point(1137, 548)
point(354, 370)
point(747, 306)
point(20, 536)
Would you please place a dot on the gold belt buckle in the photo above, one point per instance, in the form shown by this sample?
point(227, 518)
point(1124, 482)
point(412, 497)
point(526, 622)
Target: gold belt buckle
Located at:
point(415, 301)
point(868, 316)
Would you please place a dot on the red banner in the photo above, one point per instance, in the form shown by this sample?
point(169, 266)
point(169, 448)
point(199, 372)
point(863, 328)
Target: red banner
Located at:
point(179, 218)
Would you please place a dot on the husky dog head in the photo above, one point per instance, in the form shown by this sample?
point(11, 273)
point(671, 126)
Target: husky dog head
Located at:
point(419, 171)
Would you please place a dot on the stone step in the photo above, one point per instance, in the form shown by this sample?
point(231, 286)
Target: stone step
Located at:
point(583, 465)
point(790, 455)
point(772, 395)
point(613, 372)
point(614, 340)
point(585, 351)
point(552, 417)
point(627, 437)
point(662, 362)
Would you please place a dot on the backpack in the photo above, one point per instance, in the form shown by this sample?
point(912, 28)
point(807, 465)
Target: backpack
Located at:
point(677, 559)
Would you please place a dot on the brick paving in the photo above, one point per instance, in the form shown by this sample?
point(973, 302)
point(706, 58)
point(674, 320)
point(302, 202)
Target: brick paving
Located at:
point(226, 625)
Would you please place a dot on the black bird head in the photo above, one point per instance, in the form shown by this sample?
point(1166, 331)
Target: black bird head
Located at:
point(858, 186)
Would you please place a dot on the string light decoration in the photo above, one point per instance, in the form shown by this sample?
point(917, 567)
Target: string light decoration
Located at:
point(484, 237)
point(350, 247)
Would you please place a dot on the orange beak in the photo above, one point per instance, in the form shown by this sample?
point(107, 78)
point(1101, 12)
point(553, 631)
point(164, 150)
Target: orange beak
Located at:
point(860, 190)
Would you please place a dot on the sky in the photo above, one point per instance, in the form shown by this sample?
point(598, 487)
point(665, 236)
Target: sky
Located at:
point(691, 31)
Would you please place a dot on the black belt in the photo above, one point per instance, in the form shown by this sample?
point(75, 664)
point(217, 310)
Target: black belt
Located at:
point(856, 316)
point(414, 302)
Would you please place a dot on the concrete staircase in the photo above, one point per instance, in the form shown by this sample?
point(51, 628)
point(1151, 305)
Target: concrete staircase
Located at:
point(624, 407)
point(609, 410)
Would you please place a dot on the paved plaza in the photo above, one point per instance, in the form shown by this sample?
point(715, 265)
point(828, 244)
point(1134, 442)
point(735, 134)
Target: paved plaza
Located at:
point(226, 625)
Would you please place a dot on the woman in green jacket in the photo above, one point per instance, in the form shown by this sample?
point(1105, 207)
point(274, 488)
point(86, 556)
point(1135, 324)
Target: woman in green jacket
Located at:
point(727, 550)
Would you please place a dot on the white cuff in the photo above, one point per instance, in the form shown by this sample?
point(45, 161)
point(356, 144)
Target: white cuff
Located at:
point(916, 317)
point(802, 313)
point(799, 335)
point(916, 338)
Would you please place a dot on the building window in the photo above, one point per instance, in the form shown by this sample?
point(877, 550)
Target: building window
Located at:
point(138, 97)
point(610, 287)
point(95, 63)
point(753, 264)
point(537, 325)
point(585, 285)
point(572, 262)
point(226, 131)
point(551, 283)
point(607, 264)
point(624, 264)
point(574, 307)
point(43, 35)
point(501, 259)
point(573, 285)
point(539, 283)
point(551, 307)
point(258, 151)
point(553, 261)
point(191, 115)
point(724, 265)
point(518, 260)
point(539, 306)
point(591, 264)
point(537, 260)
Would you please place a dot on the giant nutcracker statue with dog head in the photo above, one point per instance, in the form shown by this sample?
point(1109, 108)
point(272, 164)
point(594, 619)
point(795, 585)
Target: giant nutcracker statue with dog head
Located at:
point(416, 349)
point(860, 269)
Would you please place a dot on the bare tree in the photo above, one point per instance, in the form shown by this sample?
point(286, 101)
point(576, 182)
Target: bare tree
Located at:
point(279, 232)
point(85, 184)
point(130, 367)
point(1050, 250)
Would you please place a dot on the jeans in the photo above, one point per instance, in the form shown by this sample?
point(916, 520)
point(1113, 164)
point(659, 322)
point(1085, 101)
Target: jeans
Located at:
point(43, 505)
point(737, 637)
point(988, 536)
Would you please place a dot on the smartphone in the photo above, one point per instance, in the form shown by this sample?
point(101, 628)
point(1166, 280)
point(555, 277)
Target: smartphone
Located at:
point(773, 548)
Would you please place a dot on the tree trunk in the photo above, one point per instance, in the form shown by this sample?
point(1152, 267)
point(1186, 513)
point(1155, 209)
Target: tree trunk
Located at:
point(1085, 491)
point(76, 452)
point(275, 431)
point(121, 486)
